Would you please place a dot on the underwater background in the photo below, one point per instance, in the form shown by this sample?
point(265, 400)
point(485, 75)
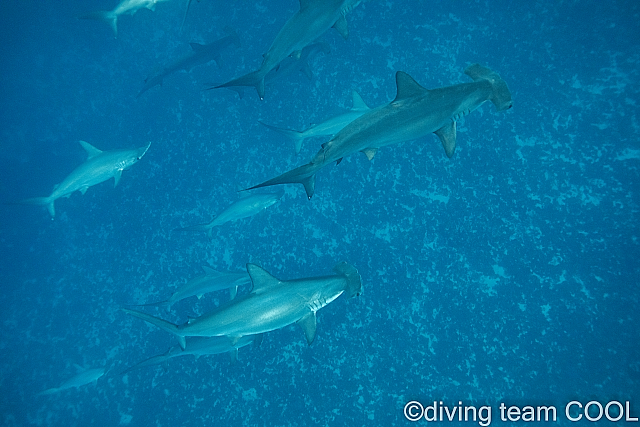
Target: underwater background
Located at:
point(508, 273)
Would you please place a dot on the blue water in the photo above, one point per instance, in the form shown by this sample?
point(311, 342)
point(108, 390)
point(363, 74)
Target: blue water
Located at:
point(508, 273)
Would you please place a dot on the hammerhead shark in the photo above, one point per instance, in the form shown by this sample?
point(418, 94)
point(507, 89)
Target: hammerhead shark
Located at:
point(272, 304)
point(329, 127)
point(99, 167)
point(307, 24)
point(84, 377)
point(200, 346)
point(246, 206)
point(210, 281)
point(200, 54)
point(125, 7)
point(415, 112)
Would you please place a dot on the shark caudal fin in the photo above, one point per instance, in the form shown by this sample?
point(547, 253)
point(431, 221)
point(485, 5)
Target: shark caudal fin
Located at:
point(293, 135)
point(501, 97)
point(354, 281)
point(305, 175)
point(254, 78)
point(198, 227)
point(107, 16)
point(160, 323)
point(41, 201)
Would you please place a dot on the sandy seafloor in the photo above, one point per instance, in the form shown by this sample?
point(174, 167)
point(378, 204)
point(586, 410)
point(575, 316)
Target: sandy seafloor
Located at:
point(508, 273)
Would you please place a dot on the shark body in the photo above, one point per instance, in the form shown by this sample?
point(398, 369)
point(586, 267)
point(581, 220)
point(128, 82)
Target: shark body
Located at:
point(83, 378)
point(125, 7)
point(200, 346)
point(307, 24)
point(244, 207)
point(200, 54)
point(329, 127)
point(272, 304)
point(100, 166)
point(210, 281)
point(415, 112)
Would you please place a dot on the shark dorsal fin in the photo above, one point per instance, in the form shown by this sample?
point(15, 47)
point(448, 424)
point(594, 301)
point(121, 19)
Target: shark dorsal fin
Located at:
point(407, 86)
point(358, 103)
point(260, 278)
point(304, 4)
point(197, 46)
point(90, 149)
point(210, 271)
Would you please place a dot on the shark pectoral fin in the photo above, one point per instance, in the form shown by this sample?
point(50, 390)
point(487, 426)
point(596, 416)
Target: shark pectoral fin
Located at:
point(233, 291)
point(199, 296)
point(260, 278)
point(308, 325)
point(233, 355)
point(116, 177)
point(447, 135)
point(83, 190)
point(90, 149)
point(341, 27)
point(370, 152)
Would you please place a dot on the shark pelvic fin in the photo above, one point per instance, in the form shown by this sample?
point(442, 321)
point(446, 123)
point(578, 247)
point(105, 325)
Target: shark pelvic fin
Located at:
point(447, 135)
point(370, 152)
point(308, 325)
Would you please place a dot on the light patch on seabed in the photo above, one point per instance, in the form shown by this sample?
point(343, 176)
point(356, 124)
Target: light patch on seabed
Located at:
point(432, 196)
point(489, 285)
point(125, 418)
point(499, 271)
point(545, 311)
point(629, 154)
point(249, 394)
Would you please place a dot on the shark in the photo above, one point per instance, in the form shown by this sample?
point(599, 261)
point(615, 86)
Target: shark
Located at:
point(200, 346)
point(200, 54)
point(415, 112)
point(272, 304)
point(244, 207)
point(83, 378)
point(100, 166)
point(125, 7)
point(329, 127)
point(312, 19)
point(210, 281)
point(289, 65)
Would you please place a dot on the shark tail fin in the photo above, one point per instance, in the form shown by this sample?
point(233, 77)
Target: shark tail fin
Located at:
point(354, 281)
point(106, 16)
point(294, 135)
point(160, 323)
point(501, 97)
point(41, 201)
point(198, 227)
